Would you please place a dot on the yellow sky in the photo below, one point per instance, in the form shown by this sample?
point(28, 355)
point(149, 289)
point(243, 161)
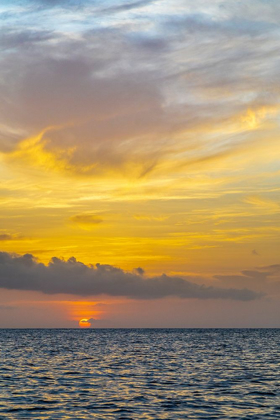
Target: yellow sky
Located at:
point(207, 216)
point(157, 147)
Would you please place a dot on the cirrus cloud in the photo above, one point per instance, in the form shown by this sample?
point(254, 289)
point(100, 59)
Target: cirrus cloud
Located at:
point(196, 68)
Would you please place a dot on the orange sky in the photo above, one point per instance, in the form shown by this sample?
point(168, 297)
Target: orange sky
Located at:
point(145, 135)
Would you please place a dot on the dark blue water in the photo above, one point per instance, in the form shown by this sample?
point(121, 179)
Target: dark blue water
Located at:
point(140, 374)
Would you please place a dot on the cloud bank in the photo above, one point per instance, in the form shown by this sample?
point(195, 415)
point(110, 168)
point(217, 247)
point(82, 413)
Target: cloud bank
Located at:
point(73, 277)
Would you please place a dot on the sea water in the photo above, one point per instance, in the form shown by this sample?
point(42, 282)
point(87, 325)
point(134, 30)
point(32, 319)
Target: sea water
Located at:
point(140, 374)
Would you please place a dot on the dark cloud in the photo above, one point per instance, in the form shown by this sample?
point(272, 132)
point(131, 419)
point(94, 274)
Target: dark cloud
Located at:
point(91, 320)
point(139, 271)
point(41, 251)
point(9, 237)
point(204, 23)
point(253, 276)
point(86, 219)
point(263, 279)
point(7, 308)
point(99, 323)
point(126, 6)
point(110, 7)
point(6, 237)
point(20, 38)
point(275, 268)
point(85, 321)
point(74, 277)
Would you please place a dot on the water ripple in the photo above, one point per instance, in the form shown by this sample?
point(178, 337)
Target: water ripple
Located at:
point(140, 374)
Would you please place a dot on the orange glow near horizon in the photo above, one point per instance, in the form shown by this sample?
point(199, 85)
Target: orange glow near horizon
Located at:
point(83, 311)
point(84, 323)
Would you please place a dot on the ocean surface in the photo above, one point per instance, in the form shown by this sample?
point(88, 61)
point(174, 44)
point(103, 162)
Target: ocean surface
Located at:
point(140, 374)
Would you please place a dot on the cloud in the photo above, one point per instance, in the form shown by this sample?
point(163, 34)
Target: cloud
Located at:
point(22, 38)
point(126, 6)
point(7, 308)
point(271, 269)
point(99, 322)
point(194, 67)
point(150, 218)
point(263, 203)
point(252, 276)
point(139, 271)
point(86, 220)
point(9, 237)
point(74, 277)
point(6, 237)
point(263, 279)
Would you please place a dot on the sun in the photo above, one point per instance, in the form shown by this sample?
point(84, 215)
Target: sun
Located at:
point(84, 323)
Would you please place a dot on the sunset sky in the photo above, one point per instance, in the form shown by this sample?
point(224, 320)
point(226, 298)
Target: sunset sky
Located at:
point(140, 163)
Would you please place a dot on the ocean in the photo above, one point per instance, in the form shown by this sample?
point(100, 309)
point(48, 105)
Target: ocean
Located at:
point(140, 374)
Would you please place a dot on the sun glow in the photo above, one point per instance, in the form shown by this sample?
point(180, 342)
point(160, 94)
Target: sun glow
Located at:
point(84, 323)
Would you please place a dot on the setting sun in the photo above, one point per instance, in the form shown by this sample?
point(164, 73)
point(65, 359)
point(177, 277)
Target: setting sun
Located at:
point(140, 200)
point(84, 323)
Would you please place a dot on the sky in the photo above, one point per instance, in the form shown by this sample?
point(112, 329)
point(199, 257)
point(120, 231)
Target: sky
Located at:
point(139, 163)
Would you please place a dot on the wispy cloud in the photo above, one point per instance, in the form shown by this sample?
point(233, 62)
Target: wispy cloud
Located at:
point(193, 67)
point(86, 220)
point(10, 237)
